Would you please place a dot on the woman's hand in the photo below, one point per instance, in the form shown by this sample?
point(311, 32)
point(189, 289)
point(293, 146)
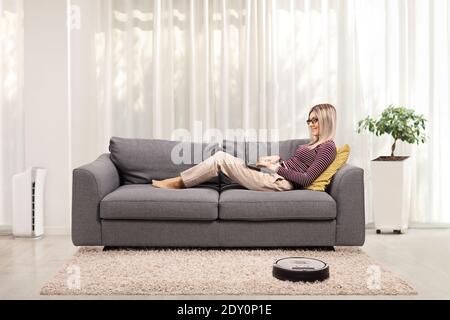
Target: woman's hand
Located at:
point(267, 164)
point(271, 159)
point(263, 163)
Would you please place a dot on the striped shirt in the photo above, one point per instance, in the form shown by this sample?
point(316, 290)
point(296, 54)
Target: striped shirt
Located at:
point(306, 165)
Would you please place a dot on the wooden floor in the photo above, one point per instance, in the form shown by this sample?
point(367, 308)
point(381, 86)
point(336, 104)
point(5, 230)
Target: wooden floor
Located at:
point(421, 257)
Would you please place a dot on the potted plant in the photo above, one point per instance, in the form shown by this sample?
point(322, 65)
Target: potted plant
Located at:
point(391, 175)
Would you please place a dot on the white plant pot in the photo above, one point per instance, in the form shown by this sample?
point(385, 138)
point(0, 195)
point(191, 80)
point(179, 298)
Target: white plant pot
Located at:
point(391, 182)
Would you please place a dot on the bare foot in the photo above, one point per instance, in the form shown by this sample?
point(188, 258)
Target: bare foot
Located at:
point(172, 183)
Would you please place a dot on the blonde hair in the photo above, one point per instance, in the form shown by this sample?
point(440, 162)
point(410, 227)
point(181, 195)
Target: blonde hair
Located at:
point(326, 114)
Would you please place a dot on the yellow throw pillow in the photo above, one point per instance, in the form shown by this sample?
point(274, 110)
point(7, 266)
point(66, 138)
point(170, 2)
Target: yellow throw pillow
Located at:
point(324, 179)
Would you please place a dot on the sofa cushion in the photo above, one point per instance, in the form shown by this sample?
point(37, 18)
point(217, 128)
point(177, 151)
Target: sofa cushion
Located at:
point(255, 150)
point(287, 205)
point(141, 160)
point(145, 202)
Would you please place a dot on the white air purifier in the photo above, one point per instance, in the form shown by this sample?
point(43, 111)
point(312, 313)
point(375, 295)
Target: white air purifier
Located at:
point(28, 203)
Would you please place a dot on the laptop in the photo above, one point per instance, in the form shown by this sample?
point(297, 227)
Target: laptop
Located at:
point(248, 165)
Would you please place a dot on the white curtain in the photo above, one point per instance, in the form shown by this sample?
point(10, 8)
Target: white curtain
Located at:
point(11, 107)
point(403, 52)
point(261, 64)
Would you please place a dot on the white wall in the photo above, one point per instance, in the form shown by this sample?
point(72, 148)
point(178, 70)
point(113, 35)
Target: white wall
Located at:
point(47, 139)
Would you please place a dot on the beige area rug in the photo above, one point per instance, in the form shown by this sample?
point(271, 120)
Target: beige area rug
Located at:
point(93, 271)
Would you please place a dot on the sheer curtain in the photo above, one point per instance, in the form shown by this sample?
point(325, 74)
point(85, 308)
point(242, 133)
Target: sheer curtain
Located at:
point(11, 108)
point(403, 52)
point(261, 64)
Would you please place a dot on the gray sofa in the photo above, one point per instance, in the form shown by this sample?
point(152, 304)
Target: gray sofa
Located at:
point(114, 203)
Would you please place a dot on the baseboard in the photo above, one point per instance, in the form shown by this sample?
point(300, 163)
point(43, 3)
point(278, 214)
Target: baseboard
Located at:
point(57, 231)
point(5, 230)
point(430, 225)
point(51, 231)
point(418, 225)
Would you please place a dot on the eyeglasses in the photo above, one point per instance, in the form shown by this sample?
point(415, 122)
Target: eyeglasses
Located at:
point(313, 121)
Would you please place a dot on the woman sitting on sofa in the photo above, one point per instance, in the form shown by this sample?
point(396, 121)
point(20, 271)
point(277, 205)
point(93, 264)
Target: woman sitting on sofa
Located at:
point(308, 162)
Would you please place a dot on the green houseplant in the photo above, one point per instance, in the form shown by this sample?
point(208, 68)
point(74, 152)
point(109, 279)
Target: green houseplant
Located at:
point(391, 175)
point(401, 123)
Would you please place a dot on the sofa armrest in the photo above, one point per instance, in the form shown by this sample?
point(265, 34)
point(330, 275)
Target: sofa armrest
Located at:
point(91, 183)
point(347, 189)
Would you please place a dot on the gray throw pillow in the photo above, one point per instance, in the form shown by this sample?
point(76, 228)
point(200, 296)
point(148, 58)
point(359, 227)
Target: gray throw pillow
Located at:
point(141, 160)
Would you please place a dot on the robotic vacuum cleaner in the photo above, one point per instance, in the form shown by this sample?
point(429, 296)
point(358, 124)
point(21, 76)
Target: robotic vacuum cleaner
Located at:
point(300, 269)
